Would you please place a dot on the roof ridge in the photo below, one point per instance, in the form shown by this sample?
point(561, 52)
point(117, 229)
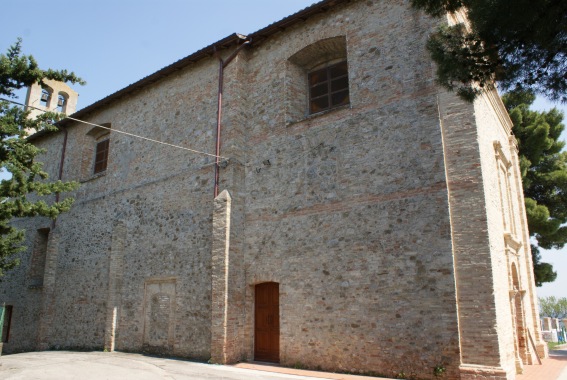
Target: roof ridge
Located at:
point(207, 51)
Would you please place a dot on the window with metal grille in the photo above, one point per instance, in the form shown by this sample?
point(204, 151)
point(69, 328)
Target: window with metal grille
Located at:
point(101, 156)
point(328, 87)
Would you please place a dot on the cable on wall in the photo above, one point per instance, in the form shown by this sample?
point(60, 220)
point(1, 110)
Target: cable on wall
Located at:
point(118, 131)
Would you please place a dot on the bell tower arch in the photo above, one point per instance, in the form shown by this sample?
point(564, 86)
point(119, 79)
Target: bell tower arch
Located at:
point(51, 96)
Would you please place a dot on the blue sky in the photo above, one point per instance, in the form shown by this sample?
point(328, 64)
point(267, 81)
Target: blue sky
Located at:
point(112, 44)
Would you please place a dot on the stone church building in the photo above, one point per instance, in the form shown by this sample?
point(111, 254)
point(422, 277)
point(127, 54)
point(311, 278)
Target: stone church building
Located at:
point(359, 217)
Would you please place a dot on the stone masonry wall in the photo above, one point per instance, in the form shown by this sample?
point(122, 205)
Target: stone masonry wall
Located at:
point(162, 198)
point(348, 210)
point(365, 215)
point(20, 287)
point(478, 334)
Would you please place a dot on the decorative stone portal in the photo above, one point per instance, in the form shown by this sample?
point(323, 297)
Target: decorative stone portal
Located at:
point(267, 322)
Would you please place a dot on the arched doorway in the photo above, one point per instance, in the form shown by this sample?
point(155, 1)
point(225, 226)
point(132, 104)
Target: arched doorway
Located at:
point(267, 322)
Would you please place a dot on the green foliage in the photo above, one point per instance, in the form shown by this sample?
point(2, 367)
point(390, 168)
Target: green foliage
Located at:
point(401, 375)
point(462, 59)
point(24, 194)
point(439, 370)
point(553, 307)
point(522, 44)
point(543, 272)
point(543, 165)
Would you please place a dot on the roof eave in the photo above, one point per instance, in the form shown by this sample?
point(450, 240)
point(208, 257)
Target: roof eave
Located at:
point(257, 38)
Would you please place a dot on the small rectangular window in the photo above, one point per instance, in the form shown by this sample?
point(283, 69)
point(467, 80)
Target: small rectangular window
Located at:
point(6, 318)
point(328, 87)
point(101, 156)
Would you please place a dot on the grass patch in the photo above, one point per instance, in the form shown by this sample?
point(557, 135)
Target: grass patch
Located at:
point(552, 345)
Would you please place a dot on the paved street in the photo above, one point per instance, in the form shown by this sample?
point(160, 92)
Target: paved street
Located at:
point(99, 365)
point(65, 365)
point(553, 368)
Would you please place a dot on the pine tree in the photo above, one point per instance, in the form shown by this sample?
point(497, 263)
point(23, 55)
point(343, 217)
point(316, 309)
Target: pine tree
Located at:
point(522, 44)
point(543, 164)
point(24, 194)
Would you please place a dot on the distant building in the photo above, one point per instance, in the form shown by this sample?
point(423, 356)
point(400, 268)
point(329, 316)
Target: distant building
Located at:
point(366, 221)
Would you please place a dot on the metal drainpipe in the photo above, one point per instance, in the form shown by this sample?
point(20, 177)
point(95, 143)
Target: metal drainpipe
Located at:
point(61, 163)
point(222, 65)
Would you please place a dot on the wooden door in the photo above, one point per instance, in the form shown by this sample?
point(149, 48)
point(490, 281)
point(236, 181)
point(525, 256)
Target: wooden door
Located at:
point(5, 326)
point(267, 322)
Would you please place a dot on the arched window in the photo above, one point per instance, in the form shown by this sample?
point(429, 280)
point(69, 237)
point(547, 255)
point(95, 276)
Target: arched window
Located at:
point(101, 155)
point(96, 152)
point(323, 67)
point(62, 102)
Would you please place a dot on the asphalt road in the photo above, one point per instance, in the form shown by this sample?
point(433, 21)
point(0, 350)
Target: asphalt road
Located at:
point(65, 365)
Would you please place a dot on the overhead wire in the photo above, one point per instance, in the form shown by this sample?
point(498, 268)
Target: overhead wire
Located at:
point(118, 131)
point(299, 157)
point(295, 159)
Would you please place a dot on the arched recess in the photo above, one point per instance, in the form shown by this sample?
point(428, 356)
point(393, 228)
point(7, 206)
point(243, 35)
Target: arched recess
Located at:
point(267, 322)
point(316, 56)
point(518, 322)
point(320, 52)
point(45, 98)
point(62, 100)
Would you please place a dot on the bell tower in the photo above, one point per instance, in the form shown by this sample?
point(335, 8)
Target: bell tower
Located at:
point(52, 96)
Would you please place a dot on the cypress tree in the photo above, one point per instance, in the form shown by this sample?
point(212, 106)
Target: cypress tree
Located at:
point(25, 193)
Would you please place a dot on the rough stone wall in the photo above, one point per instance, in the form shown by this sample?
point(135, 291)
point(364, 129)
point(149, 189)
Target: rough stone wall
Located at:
point(162, 199)
point(478, 333)
point(365, 215)
point(115, 280)
point(27, 303)
point(20, 287)
point(348, 210)
point(490, 238)
point(228, 345)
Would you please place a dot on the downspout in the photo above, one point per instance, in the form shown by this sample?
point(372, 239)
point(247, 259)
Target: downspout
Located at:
point(222, 65)
point(61, 163)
